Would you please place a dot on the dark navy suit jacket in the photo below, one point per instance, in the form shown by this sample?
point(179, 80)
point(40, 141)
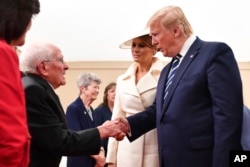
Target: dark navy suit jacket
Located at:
point(201, 120)
point(78, 118)
point(245, 136)
point(102, 113)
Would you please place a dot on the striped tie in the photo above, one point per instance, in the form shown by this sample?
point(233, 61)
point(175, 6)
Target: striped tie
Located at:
point(175, 65)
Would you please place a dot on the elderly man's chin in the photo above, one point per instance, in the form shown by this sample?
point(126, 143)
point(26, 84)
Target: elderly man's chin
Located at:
point(63, 82)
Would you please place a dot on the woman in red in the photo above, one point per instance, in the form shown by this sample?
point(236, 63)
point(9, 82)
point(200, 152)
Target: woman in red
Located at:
point(15, 21)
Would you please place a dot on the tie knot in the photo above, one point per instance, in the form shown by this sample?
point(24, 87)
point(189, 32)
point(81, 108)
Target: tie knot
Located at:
point(178, 56)
point(176, 60)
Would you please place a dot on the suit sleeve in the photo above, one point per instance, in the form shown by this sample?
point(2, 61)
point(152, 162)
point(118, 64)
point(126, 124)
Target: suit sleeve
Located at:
point(142, 122)
point(48, 131)
point(225, 87)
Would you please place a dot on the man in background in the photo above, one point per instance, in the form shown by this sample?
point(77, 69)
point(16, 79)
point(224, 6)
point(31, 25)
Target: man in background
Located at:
point(245, 136)
point(44, 69)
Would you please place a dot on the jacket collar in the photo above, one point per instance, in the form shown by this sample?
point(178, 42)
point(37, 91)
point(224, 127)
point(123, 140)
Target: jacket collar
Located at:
point(156, 67)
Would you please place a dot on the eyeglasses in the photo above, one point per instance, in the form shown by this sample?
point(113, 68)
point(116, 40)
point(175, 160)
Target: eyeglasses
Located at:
point(61, 60)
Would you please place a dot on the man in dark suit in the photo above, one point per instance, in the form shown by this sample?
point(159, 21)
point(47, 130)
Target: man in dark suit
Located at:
point(44, 70)
point(199, 116)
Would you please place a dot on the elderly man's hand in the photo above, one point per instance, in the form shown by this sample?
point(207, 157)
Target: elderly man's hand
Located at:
point(116, 128)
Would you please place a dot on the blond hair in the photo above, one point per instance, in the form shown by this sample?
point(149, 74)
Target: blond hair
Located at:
point(171, 16)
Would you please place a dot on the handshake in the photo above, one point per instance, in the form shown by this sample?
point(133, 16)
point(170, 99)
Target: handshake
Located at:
point(117, 128)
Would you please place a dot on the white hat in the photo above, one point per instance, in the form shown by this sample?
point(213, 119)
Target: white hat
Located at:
point(127, 44)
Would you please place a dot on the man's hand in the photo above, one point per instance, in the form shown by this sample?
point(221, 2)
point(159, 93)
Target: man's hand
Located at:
point(116, 128)
point(100, 158)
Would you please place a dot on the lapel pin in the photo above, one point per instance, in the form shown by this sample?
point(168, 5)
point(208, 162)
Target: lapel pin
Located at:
point(191, 56)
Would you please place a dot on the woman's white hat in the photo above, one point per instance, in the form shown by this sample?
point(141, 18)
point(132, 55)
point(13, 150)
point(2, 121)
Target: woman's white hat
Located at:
point(127, 44)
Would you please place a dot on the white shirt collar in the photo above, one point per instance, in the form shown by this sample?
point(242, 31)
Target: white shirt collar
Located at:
point(187, 45)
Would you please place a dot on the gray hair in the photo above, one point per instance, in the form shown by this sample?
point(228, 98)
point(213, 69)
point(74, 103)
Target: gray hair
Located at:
point(85, 79)
point(35, 53)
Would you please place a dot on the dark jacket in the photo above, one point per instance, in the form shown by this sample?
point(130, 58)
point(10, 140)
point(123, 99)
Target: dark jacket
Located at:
point(77, 118)
point(102, 114)
point(200, 122)
point(46, 119)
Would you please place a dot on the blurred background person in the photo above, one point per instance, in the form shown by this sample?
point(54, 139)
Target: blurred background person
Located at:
point(104, 111)
point(80, 116)
point(15, 21)
point(245, 134)
point(44, 69)
point(135, 91)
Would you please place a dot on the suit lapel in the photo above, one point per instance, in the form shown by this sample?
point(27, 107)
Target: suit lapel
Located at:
point(53, 95)
point(161, 85)
point(50, 91)
point(127, 89)
point(85, 114)
point(189, 57)
point(146, 83)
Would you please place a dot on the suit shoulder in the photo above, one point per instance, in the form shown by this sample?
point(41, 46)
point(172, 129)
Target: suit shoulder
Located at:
point(215, 44)
point(72, 106)
point(76, 105)
point(28, 81)
point(100, 108)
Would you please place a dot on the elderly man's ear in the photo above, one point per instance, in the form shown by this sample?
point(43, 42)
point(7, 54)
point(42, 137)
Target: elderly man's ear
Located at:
point(42, 68)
